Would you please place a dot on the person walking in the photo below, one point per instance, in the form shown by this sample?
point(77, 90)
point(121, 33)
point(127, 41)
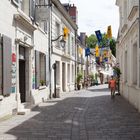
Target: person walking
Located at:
point(112, 86)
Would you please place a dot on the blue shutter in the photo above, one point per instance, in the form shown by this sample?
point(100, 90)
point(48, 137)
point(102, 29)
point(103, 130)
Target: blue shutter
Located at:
point(7, 65)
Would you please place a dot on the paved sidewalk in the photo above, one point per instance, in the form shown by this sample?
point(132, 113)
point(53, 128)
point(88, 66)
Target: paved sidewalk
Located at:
point(83, 115)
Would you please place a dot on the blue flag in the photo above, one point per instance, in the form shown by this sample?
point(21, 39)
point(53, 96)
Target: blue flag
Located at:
point(87, 51)
point(98, 35)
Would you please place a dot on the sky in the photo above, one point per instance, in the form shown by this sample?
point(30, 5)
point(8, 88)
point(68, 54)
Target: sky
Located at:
point(96, 15)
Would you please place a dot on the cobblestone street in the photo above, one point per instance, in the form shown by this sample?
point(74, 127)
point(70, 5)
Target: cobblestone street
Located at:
point(81, 115)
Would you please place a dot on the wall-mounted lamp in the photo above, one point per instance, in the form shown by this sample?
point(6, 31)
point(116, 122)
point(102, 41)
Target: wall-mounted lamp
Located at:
point(62, 41)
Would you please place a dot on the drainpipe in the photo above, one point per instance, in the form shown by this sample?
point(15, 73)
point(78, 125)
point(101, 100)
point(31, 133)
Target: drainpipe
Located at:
point(139, 42)
point(50, 46)
point(75, 57)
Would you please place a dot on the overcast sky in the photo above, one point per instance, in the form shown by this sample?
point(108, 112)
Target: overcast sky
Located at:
point(96, 15)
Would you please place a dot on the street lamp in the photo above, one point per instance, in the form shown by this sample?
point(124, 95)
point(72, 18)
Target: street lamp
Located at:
point(62, 41)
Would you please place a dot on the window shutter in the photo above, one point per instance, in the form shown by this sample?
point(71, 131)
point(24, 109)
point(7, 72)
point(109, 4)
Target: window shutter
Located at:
point(47, 68)
point(7, 64)
point(0, 64)
point(37, 69)
point(32, 9)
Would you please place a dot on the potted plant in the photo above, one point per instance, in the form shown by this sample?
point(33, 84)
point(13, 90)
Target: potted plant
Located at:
point(42, 82)
point(92, 79)
point(96, 78)
point(78, 79)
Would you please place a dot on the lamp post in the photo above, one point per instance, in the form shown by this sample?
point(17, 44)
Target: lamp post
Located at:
point(54, 66)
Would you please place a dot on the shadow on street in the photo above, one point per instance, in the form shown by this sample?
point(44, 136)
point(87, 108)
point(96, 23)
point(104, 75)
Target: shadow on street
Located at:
point(80, 118)
point(99, 90)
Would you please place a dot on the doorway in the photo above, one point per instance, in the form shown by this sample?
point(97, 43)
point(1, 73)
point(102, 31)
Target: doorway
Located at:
point(22, 74)
point(63, 77)
point(22, 80)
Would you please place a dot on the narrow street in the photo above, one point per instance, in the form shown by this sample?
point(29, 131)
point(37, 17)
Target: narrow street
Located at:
point(80, 115)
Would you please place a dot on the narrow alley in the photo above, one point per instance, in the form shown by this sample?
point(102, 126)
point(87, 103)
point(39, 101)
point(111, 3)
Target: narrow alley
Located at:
point(80, 115)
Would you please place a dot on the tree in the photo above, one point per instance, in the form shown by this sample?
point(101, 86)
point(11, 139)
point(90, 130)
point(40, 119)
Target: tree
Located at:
point(92, 41)
point(113, 46)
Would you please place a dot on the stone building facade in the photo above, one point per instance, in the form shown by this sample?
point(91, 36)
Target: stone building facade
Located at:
point(28, 53)
point(128, 50)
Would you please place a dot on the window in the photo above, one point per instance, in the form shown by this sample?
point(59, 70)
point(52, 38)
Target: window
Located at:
point(73, 74)
point(27, 6)
point(40, 69)
point(68, 73)
point(57, 33)
point(69, 45)
point(32, 9)
point(43, 25)
point(57, 72)
point(126, 67)
point(73, 47)
point(42, 66)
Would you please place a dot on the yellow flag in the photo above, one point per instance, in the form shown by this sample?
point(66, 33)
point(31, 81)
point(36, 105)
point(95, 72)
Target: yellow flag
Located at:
point(97, 51)
point(80, 50)
point(100, 58)
point(105, 54)
point(65, 32)
point(109, 32)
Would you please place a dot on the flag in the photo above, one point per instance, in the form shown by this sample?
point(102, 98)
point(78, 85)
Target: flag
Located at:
point(80, 50)
point(101, 59)
point(98, 35)
point(109, 32)
point(87, 51)
point(97, 51)
point(105, 54)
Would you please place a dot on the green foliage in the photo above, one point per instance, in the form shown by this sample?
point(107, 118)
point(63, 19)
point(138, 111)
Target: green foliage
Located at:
point(117, 71)
point(92, 41)
point(79, 77)
point(96, 75)
point(42, 82)
point(92, 76)
point(113, 46)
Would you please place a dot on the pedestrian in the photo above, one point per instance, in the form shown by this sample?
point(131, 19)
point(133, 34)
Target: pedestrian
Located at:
point(112, 86)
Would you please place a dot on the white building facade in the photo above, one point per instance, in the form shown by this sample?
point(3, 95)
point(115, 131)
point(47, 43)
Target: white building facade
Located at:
point(64, 58)
point(24, 48)
point(128, 50)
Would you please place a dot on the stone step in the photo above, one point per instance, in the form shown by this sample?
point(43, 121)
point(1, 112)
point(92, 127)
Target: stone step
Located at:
point(23, 111)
